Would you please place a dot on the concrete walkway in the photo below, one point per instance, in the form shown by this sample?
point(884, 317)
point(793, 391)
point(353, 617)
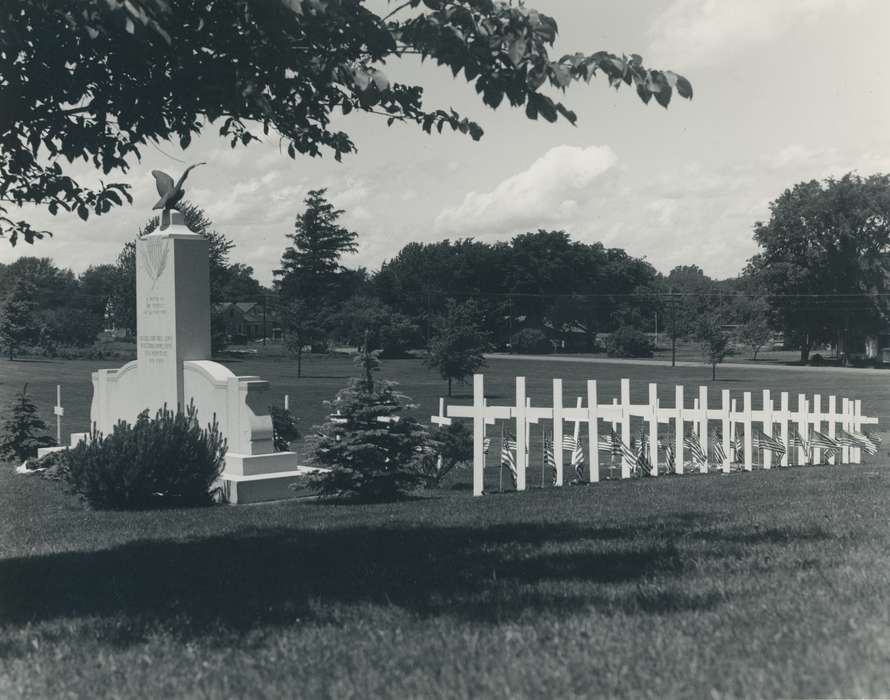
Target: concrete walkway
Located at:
point(662, 363)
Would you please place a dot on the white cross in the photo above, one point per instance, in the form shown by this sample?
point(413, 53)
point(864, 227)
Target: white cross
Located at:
point(59, 412)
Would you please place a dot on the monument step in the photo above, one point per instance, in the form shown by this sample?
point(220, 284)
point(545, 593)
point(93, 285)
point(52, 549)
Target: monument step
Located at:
point(252, 465)
point(256, 488)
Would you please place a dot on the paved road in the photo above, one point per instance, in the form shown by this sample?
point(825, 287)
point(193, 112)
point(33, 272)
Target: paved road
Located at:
point(661, 363)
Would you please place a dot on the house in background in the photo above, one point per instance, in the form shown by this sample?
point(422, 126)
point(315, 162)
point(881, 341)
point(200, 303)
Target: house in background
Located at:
point(247, 321)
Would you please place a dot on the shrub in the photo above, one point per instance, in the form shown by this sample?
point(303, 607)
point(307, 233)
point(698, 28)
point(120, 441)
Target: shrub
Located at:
point(23, 430)
point(454, 443)
point(628, 341)
point(817, 360)
point(165, 460)
point(531, 341)
point(284, 428)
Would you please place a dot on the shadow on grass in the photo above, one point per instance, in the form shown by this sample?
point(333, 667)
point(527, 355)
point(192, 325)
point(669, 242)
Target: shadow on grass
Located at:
point(282, 576)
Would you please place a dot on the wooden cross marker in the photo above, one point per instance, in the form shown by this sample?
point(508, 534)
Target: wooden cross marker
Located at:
point(59, 412)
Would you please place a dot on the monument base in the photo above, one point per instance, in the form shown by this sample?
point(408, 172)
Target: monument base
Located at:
point(256, 488)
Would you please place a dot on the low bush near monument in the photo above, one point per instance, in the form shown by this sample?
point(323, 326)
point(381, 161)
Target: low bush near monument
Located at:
point(165, 460)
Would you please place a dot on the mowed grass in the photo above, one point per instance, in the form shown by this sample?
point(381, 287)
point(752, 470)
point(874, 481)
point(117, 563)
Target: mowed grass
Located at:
point(748, 585)
point(762, 584)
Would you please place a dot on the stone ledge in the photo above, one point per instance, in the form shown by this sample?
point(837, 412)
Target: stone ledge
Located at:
point(256, 488)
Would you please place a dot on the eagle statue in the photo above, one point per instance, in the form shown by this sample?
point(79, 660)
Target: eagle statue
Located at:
point(171, 192)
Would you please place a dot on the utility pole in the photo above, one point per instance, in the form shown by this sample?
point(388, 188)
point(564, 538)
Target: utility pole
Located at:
point(673, 329)
point(264, 319)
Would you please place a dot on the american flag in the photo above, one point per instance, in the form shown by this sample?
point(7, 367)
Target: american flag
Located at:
point(737, 447)
point(761, 441)
point(568, 442)
point(644, 462)
point(667, 444)
point(507, 447)
point(549, 458)
point(623, 449)
point(719, 452)
point(857, 439)
point(824, 442)
point(578, 459)
point(694, 446)
point(796, 440)
point(486, 444)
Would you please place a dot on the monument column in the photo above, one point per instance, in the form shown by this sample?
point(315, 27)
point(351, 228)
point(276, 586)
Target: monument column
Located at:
point(172, 311)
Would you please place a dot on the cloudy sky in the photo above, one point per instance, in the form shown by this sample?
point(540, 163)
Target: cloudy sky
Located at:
point(786, 90)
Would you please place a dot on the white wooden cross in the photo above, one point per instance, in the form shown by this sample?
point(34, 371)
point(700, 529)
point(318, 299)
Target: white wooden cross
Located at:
point(479, 412)
point(59, 412)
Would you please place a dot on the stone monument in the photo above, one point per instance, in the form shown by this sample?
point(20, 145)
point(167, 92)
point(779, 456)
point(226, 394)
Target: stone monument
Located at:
point(173, 366)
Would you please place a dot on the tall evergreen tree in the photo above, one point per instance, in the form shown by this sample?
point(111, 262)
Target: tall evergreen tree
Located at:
point(17, 323)
point(23, 430)
point(310, 267)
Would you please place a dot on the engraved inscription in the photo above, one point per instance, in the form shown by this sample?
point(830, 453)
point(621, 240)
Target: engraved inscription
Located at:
point(155, 349)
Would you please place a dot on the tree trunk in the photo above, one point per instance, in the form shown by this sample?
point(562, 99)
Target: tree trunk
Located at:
point(804, 351)
point(756, 350)
point(449, 387)
point(714, 372)
point(299, 361)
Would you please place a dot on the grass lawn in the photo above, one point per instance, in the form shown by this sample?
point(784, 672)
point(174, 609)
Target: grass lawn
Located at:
point(765, 584)
point(748, 585)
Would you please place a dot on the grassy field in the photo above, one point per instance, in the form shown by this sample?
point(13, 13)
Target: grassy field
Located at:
point(765, 584)
point(747, 585)
point(323, 376)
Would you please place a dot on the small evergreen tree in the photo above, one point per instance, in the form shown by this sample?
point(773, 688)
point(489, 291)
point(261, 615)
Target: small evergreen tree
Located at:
point(23, 430)
point(373, 452)
point(17, 322)
point(458, 346)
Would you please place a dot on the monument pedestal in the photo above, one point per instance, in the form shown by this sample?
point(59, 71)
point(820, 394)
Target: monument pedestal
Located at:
point(172, 369)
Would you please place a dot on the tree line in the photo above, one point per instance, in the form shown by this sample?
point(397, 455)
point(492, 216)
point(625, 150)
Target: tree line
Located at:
point(820, 276)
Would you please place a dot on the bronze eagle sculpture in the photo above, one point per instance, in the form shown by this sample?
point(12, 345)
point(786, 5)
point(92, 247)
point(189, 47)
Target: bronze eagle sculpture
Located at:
point(171, 193)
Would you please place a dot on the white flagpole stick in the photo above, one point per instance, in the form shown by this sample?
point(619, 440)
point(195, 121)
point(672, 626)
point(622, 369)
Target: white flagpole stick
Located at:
point(543, 460)
point(287, 402)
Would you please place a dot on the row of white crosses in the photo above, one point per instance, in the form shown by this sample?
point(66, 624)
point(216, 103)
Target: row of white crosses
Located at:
point(619, 413)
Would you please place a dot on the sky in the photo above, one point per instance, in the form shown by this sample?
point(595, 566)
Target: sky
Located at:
point(785, 91)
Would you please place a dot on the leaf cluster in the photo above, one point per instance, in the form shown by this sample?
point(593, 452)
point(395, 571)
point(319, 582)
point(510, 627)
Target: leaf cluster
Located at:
point(97, 80)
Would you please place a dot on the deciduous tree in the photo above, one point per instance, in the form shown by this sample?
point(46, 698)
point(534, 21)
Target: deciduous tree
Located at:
point(99, 79)
point(823, 258)
point(459, 343)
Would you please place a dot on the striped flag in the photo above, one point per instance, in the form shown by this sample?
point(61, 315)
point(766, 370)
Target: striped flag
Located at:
point(761, 441)
point(719, 452)
point(549, 458)
point(568, 442)
point(507, 447)
point(622, 449)
point(737, 448)
point(694, 446)
point(866, 442)
point(644, 462)
point(796, 440)
point(667, 444)
point(486, 444)
point(824, 442)
point(578, 459)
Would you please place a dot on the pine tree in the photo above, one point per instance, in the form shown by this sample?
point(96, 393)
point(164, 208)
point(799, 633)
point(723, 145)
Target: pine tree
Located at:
point(23, 430)
point(310, 267)
point(17, 322)
point(373, 452)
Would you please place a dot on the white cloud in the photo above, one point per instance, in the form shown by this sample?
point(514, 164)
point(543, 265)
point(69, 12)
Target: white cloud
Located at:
point(702, 32)
point(546, 192)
